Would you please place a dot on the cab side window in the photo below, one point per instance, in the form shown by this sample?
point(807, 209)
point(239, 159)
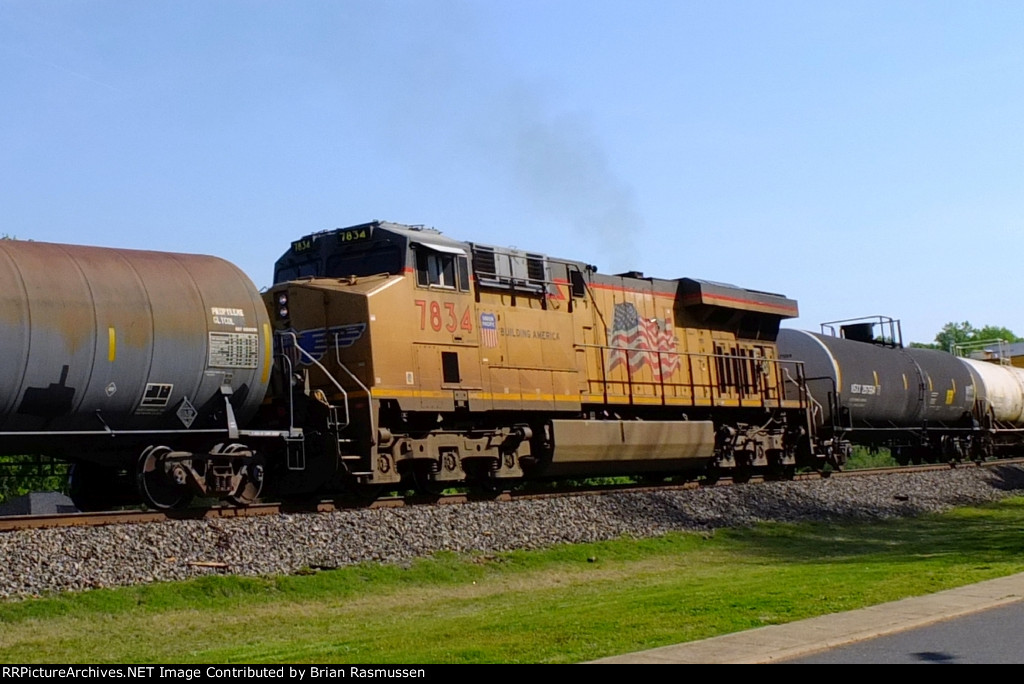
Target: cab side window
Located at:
point(435, 269)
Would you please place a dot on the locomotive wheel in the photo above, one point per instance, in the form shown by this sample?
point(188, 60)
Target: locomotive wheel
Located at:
point(155, 485)
point(424, 484)
point(490, 486)
point(711, 475)
point(742, 473)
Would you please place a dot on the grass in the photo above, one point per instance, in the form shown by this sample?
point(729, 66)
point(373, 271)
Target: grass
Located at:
point(862, 457)
point(564, 604)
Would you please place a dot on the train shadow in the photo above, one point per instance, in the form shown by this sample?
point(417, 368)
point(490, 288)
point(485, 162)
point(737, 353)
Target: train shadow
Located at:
point(821, 524)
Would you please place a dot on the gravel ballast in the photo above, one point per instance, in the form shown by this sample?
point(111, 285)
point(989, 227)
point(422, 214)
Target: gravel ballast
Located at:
point(40, 562)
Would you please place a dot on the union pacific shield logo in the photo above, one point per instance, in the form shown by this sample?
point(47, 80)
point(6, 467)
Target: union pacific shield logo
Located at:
point(488, 330)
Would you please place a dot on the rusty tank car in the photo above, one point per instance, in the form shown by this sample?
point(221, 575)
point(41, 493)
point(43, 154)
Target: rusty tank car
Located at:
point(116, 355)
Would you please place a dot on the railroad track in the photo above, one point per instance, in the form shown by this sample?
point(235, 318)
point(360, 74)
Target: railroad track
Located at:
point(23, 522)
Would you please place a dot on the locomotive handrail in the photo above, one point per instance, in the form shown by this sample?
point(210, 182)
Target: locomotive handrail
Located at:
point(800, 382)
point(834, 405)
point(742, 389)
point(344, 394)
point(369, 392)
point(290, 371)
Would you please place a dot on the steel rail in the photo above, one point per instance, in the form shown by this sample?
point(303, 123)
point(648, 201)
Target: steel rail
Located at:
point(25, 522)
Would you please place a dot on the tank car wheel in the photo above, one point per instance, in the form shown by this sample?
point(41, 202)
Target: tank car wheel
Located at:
point(251, 473)
point(252, 484)
point(157, 488)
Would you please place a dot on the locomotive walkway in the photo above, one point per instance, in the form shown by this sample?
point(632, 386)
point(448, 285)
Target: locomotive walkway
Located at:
point(778, 643)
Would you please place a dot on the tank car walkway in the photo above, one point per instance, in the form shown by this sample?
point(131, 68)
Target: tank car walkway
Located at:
point(777, 643)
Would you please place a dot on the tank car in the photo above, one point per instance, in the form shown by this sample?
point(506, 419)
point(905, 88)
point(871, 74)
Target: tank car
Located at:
point(999, 406)
point(923, 404)
point(116, 357)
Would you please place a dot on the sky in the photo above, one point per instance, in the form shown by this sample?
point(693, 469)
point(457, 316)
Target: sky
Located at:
point(863, 157)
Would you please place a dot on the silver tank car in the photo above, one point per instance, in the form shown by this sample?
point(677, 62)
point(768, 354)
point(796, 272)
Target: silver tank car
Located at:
point(864, 385)
point(1000, 390)
point(98, 340)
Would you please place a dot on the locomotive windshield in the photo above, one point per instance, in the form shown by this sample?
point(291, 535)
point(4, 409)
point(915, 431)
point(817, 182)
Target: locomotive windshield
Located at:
point(357, 251)
point(364, 262)
point(373, 249)
point(380, 259)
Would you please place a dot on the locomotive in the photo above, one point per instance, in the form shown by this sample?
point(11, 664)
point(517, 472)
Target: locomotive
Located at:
point(391, 355)
point(449, 362)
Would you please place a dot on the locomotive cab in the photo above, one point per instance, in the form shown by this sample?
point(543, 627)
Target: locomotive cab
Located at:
point(394, 353)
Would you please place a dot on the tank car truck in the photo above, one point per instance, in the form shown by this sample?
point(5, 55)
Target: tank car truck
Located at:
point(436, 361)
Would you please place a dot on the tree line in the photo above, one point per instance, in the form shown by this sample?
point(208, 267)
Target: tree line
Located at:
point(965, 335)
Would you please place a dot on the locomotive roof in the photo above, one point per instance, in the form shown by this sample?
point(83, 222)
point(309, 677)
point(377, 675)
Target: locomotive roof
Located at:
point(414, 233)
point(432, 237)
point(696, 292)
point(691, 291)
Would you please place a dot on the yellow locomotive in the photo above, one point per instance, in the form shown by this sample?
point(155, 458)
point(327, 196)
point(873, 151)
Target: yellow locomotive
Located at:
point(409, 355)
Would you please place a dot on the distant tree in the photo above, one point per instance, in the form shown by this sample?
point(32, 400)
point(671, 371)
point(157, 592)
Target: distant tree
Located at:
point(953, 334)
point(994, 332)
point(23, 474)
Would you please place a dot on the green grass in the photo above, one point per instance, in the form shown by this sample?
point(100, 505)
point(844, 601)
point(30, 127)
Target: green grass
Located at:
point(565, 604)
point(863, 457)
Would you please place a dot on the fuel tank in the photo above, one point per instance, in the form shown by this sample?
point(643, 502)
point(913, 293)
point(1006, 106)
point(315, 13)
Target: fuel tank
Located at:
point(99, 339)
point(877, 385)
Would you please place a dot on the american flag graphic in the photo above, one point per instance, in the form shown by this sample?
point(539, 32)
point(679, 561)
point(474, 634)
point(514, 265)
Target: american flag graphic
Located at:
point(637, 341)
point(488, 330)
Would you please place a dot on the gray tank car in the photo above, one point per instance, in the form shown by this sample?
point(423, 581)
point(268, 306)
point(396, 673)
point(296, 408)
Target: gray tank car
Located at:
point(110, 353)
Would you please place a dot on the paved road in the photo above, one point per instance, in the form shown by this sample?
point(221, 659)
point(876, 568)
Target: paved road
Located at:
point(979, 623)
point(994, 636)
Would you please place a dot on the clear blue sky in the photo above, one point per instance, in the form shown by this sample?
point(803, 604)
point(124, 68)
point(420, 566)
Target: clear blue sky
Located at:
point(861, 157)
